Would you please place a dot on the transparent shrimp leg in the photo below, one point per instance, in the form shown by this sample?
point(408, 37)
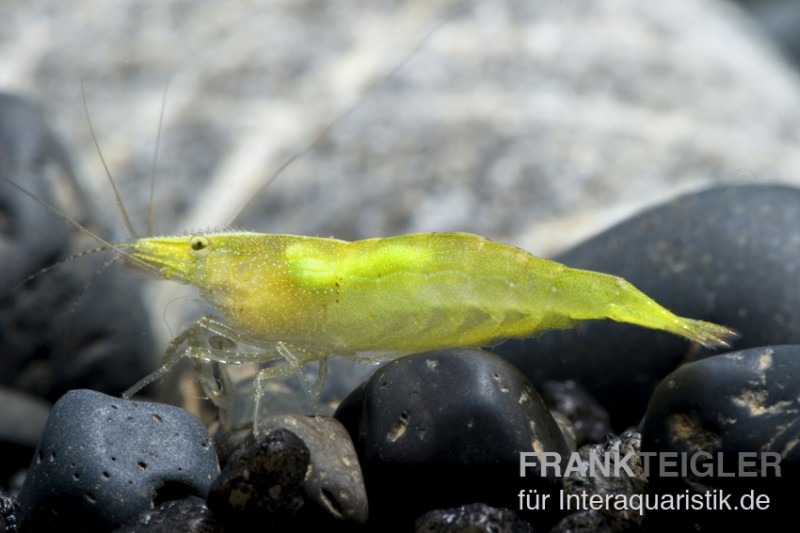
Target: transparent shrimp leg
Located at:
point(209, 340)
point(202, 340)
point(294, 367)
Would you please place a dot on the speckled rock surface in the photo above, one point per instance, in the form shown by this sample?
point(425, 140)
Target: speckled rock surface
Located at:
point(334, 479)
point(741, 402)
point(102, 460)
point(262, 486)
point(9, 513)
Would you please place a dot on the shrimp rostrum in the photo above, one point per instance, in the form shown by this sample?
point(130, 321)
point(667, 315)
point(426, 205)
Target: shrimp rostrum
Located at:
point(302, 299)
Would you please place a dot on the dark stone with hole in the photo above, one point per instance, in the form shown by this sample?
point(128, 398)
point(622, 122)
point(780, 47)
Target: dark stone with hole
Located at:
point(261, 487)
point(189, 515)
point(721, 412)
point(56, 334)
point(729, 255)
point(334, 481)
point(9, 513)
point(102, 460)
point(590, 421)
point(472, 518)
point(449, 427)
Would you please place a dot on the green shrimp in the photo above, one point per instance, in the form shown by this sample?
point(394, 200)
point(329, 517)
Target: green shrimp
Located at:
point(300, 299)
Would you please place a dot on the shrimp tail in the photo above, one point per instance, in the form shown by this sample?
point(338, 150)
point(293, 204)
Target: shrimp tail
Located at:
point(709, 335)
point(594, 295)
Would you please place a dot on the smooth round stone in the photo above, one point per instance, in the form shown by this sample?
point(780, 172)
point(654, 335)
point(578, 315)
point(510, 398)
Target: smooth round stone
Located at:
point(730, 255)
point(740, 402)
point(102, 460)
point(472, 518)
point(448, 427)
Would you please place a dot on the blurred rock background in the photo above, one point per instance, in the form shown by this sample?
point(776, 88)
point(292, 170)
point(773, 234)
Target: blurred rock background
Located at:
point(535, 123)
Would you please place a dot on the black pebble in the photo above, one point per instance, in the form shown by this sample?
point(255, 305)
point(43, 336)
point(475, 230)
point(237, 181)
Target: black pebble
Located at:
point(261, 487)
point(472, 518)
point(728, 255)
point(102, 460)
point(746, 401)
point(444, 429)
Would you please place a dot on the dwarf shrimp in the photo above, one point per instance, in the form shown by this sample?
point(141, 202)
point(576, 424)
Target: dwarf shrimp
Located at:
point(299, 300)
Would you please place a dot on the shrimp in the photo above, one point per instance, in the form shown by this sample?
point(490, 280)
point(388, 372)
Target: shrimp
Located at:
point(299, 300)
point(290, 300)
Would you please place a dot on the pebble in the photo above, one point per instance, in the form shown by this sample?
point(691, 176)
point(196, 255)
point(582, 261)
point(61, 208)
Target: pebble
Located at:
point(442, 429)
point(729, 254)
point(334, 480)
point(472, 518)
point(262, 484)
point(625, 478)
point(743, 401)
point(102, 460)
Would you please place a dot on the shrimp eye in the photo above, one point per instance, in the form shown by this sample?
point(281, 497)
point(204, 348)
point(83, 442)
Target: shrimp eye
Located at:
point(199, 245)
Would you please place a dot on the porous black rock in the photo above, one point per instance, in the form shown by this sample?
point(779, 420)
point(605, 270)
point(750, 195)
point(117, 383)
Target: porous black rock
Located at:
point(472, 518)
point(708, 413)
point(449, 427)
point(189, 515)
point(334, 481)
point(729, 255)
point(611, 469)
point(261, 487)
point(102, 460)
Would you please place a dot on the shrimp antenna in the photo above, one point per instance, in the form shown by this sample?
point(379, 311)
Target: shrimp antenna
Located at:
point(117, 197)
point(369, 91)
point(150, 210)
point(104, 244)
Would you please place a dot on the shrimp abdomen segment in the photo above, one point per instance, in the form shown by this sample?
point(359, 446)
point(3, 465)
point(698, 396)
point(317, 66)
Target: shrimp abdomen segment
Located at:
point(594, 295)
point(430, 291)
